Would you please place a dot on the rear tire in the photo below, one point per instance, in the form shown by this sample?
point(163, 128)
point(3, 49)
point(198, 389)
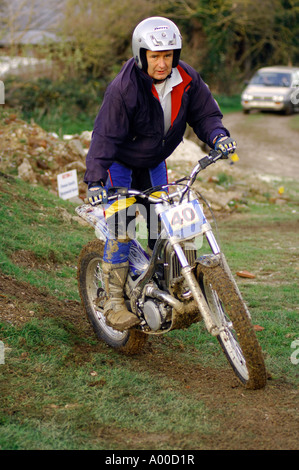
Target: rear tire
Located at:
point(237, 337)
point(93, 296)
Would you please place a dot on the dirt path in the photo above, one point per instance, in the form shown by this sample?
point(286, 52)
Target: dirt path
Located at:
point(240, 419)
point(263, 420)
point(267, 143)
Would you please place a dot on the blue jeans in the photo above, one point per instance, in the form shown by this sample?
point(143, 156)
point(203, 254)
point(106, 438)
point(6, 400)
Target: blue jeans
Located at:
point(121, 214)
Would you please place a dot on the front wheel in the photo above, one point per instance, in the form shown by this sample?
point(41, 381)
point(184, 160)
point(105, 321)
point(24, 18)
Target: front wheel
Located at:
point(236, 335)
point(93, 296)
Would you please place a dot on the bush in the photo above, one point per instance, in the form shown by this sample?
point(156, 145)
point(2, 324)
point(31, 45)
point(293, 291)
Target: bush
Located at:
point(54, 104)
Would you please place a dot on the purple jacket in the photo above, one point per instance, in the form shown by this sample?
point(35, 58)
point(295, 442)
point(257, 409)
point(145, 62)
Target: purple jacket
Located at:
point(129, 127)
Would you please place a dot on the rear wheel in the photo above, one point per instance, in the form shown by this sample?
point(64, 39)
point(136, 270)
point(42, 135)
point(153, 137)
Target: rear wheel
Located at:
point(236, 335)
point(93, 296)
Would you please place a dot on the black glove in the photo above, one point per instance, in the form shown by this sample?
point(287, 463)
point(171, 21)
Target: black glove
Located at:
point(97, 193)
point(225, 144)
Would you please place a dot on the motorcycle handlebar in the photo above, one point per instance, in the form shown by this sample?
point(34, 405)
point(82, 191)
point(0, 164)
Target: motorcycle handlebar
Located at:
point(203, 163)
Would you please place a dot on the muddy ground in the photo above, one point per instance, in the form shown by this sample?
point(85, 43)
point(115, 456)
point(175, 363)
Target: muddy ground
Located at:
point(247, 420)
point(263, 419)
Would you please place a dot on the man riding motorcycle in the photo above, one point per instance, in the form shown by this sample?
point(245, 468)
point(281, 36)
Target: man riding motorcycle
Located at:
point(142, 120)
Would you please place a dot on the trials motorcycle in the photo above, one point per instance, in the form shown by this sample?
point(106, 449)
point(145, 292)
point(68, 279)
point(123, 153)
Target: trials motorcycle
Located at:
point(185, 280)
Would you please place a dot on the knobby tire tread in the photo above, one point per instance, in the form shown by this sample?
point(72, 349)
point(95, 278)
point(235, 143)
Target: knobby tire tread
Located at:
point(222, 282)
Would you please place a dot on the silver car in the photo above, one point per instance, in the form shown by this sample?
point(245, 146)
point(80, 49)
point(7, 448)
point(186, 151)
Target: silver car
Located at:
point(272, 89)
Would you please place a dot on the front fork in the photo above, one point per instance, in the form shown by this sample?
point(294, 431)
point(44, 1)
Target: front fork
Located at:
point(188, 274)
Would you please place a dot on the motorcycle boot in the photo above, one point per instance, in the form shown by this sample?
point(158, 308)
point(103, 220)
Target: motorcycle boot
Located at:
point(115, 310)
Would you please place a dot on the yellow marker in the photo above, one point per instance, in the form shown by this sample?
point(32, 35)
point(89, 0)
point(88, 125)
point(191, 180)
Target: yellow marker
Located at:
point(281, 190)
point(234, 157)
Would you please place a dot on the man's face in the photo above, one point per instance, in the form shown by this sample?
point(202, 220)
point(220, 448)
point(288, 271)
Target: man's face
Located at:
point(159, 64)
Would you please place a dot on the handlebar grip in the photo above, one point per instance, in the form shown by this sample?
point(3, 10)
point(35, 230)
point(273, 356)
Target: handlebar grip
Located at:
point(204, 162)
point(119, 190)
point(113, 192)
point(214, 155)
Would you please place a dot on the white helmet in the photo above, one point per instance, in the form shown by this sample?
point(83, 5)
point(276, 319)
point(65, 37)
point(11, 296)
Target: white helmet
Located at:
point(156, 34)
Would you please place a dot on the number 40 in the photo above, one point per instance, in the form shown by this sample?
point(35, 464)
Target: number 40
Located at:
point(187, 214)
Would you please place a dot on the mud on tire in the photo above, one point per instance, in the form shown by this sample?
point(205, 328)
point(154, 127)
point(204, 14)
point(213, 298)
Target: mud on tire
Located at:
point(93, 296)
point(238, 341)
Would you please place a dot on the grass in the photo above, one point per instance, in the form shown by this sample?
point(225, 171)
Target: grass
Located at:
point(268, 237)
point(62, 389)
point(228, 104)
point(294, 122)
point(63, 123)
point(33, 211)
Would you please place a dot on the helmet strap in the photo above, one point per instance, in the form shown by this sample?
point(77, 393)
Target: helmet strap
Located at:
point(143, 60)
point(161, 81)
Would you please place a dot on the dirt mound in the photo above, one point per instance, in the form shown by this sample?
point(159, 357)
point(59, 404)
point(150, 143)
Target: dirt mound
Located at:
point(38, 157)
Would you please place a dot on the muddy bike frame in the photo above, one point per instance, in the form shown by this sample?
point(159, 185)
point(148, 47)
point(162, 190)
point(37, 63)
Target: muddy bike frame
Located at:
point(161, 207)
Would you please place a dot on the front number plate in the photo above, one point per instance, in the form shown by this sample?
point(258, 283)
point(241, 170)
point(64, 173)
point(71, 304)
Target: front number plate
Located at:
point(183, 221)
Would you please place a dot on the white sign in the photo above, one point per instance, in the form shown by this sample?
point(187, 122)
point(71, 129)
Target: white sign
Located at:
point(68, 184)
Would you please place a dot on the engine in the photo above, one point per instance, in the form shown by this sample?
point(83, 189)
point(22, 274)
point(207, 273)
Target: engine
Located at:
point(155, 314)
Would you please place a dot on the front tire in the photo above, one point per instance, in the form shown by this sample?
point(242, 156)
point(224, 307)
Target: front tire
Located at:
point(237, 337)
point(93, 296)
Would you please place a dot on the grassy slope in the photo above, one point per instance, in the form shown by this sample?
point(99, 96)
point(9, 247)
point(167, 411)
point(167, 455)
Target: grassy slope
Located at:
point(61, 389)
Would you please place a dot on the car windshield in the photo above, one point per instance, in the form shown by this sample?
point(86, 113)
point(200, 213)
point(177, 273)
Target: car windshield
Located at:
point(271, 79)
